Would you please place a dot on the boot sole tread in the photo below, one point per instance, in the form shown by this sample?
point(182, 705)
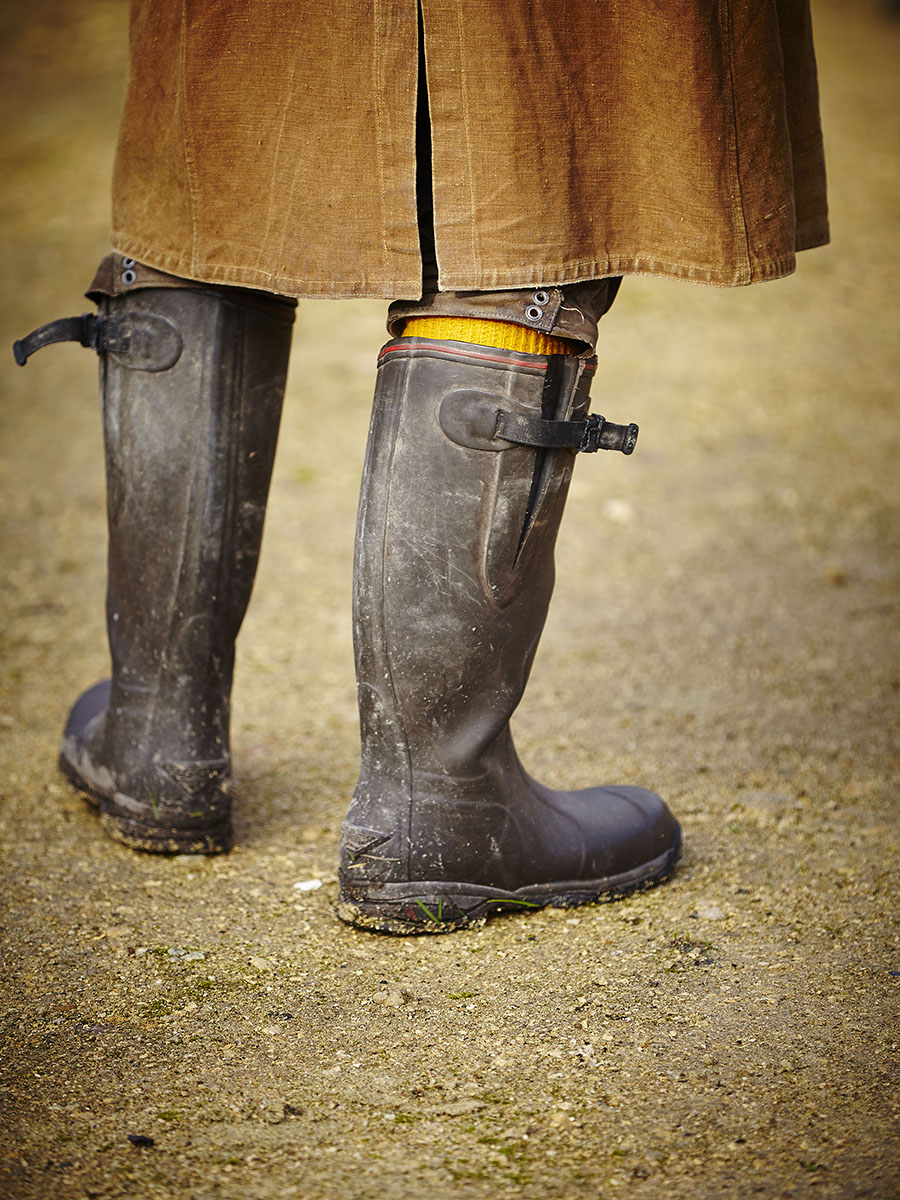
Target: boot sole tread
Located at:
point(424, 907)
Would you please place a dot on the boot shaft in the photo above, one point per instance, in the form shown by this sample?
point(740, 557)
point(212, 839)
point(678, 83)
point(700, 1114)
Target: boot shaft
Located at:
point(191, 382)
point(454, 573)
point(189, 453)
point(454, 567)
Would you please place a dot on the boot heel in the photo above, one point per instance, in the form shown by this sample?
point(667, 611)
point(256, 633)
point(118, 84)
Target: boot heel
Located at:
point(424, 911)
point(159, 839)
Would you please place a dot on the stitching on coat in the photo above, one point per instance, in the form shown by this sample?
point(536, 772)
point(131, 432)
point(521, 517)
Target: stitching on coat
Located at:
point(726, 27)
point(464, 96)
point(263, 241)
point(378, 93)
point(190, 162)
point(393, 289)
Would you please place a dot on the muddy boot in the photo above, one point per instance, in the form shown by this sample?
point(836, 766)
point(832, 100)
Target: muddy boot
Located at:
point(192, 380)
point(469, 460)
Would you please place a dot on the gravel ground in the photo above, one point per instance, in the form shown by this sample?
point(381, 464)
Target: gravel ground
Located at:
point(725, 630)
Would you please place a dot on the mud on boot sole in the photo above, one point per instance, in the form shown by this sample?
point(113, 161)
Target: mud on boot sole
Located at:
point(135, 824)
point(408, 909)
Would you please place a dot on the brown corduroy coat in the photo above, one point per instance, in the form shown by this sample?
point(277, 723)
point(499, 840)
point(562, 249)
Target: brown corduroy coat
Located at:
point(272, 143)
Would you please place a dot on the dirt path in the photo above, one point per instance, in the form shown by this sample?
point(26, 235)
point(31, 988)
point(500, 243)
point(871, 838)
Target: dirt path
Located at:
point(725, 629)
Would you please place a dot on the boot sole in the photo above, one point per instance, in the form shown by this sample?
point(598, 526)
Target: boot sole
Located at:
point(151, 837)
point(409, 909)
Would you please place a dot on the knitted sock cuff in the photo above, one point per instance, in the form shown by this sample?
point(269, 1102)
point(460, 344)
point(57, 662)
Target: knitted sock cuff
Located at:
point(501, 335)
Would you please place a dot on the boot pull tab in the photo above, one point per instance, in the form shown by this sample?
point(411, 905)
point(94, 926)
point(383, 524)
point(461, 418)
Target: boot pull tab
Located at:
point(142, 341)
point(471, 418)
point(66, 329)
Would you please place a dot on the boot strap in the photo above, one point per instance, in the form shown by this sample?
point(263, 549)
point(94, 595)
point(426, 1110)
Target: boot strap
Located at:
point(146, 341)
point(588, 436)
point(470, 417)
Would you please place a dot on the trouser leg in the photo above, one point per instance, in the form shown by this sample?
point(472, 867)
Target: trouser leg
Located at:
point(571, 312)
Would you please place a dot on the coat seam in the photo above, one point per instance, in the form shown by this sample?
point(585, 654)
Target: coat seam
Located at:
point(464, 98)
point(734, 161)
point(378, 92)
point(186, 140)
point(264, 240)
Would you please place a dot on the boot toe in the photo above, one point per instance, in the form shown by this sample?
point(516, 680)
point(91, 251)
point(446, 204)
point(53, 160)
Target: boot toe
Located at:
point(86, 710)
point(656, 817)
point(77, 761)
point(625, 830)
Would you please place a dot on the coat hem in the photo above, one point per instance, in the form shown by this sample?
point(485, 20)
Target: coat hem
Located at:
point(236, 275)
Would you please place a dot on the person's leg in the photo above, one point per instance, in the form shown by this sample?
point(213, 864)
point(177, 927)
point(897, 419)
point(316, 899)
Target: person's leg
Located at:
point(192, 379)
point(470, 454)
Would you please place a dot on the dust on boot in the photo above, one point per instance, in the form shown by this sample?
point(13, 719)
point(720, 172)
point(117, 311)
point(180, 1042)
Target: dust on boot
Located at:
point(468, 464)
point(191, 380)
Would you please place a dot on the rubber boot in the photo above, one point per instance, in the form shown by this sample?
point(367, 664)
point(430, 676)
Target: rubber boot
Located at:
point(192, 381)
point(469, 459)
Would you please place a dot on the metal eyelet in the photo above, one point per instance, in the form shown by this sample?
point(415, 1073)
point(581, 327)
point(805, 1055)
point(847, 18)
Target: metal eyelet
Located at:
point(127, 262)
point(533, 313)
point(128, 277)
point(541, 297)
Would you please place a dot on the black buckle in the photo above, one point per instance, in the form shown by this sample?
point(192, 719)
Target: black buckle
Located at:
point(471, 418)
point(600, 434)
point(590, 438)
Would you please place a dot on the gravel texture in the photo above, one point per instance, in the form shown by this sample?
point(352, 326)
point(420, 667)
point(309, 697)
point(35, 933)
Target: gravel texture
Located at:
point(725, 630)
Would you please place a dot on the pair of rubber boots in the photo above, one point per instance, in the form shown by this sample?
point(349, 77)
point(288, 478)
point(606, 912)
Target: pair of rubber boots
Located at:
point(469, 458)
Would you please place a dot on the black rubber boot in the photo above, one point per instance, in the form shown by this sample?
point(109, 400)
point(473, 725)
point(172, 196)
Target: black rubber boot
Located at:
point(192, 381)
point(469, 460)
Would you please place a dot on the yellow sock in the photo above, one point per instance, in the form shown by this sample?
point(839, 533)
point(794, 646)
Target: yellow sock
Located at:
point(502, 335)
